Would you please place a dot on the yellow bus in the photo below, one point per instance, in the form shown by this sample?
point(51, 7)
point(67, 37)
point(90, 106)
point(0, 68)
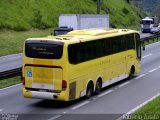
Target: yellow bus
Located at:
point(80, 63)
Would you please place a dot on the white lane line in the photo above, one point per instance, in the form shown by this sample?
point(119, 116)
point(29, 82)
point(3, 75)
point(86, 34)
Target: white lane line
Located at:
point(105, 93)
point(65, 112)
point(158, 66)
point(140, 76)
point(147, 55)
point(153, 70)
point(1, 110)
point(94, 98)
point(12, 55)
point(143, 104)
point(10, 86)
point(126, 83)
point(125, 116)
point(80, 105)
point(55, 117)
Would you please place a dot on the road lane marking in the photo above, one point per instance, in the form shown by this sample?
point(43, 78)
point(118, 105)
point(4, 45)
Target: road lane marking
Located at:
point(105, 93)
point(1, 110)
point(140, 76)
point(158, 66)
point(80, 105)
point(65, 112)
point(126, 83)
point(55, 117)
point(12, 55)
point(147, 55)
point(138, 107)
point(10, 86)
point(153, 70)
point(94, 98)
point(143, 104)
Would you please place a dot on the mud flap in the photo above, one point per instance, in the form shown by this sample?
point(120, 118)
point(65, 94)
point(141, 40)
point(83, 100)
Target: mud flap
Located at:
point(72, 90)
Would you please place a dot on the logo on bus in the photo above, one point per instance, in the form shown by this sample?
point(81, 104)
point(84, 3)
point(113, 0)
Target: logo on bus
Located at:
point(29, 73)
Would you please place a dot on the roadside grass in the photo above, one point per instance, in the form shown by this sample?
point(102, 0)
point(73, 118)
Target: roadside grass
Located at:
point(22, 15)
point(10, 81)
point(152, 41)
point(11, 42)
point(152, 107)
point(151, 111)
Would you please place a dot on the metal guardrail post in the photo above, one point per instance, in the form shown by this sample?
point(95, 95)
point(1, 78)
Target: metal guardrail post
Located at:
point(147, 39)
point(143, 45)
point(98, 6)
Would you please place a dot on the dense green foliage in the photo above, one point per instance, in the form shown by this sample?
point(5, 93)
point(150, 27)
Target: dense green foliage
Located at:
point(26, 14)
point(152, 108)
point(152, 7)
point(10, 81)
point(11, 42)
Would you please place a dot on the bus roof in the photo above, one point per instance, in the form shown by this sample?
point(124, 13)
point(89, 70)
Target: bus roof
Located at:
point(87, 34)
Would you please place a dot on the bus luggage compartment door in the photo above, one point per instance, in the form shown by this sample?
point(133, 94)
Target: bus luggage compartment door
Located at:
point(42, 78)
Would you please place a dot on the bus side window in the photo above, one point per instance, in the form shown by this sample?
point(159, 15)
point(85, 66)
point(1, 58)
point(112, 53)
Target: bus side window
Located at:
point(72, 53)
point(108, 46)
point(117, 44)
point(76, 53)
point(124, 43)
point(80, 52)
point(90, 50)
point(130, 41)
point(138, 46)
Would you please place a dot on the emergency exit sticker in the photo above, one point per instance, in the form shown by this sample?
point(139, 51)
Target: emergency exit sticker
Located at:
point(29, 73)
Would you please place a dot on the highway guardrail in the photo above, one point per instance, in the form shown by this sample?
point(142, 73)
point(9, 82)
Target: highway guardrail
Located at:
point(147, 39)
point(10, 73)
point(150, 37)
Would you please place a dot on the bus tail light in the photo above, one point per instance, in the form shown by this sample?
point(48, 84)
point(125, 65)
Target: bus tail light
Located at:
point(64, 84)
point(23, 80)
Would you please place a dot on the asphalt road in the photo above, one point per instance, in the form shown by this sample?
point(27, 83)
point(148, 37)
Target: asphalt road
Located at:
point(10, 62)
point(112, 103)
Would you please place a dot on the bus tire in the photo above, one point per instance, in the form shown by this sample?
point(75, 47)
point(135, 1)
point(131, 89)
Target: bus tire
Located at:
point(131, 73)
point(89, 90)
point(98, 86)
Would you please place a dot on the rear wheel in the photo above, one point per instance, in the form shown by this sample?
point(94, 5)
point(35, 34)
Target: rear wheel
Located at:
point(89, 90)
point(98, 87)
point(131, 74)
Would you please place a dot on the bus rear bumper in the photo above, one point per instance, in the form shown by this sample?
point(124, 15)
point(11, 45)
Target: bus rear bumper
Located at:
point(45, 95)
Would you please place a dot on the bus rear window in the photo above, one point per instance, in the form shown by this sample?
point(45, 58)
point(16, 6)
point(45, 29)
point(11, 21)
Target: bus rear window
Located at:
point(44, 50)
